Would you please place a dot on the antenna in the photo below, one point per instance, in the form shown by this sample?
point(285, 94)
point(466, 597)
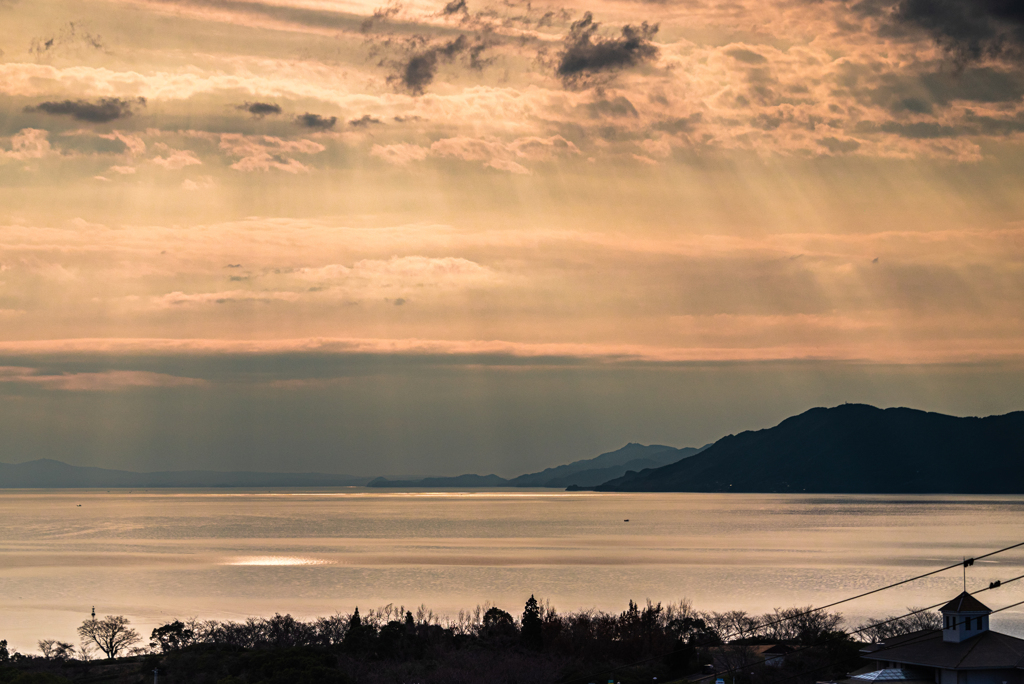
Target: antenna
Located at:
point(94, 612)
point(968, 562)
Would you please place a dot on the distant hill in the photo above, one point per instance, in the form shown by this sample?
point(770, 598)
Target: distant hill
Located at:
point(852, 448)
point(585, 473)
point(46, 474)
point(456, 481)
point(593, 471)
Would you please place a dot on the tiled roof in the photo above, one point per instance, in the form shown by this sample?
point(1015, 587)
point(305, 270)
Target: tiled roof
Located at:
point(894, 674)
point(988, 650)
point(965, 603)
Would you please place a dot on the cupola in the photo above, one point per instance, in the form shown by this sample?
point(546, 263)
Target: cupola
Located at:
point(963, 618)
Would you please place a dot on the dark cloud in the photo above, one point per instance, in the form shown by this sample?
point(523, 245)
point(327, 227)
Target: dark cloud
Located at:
point(990, 125)
point(915, 105)
point(917, 131)
point(234, 265)
point(970, 29)
point(100, 111)
point(837, 146)
point(746, 56)
point(455, 7)
point(618, 106)
point(919, 94)
point(316, 121)
point(399, 302)
point(416, 72)
point(364, 121)
point(983, 84)
point(260, 109)
point(587, 54)
point(380, 16)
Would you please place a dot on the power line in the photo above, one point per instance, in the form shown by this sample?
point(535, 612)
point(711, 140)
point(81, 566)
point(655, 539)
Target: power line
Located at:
point(868, 627)
point(916, 639)
point(994, 585)
point(965, 563)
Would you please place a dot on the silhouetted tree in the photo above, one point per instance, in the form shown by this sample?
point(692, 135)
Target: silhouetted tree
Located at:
point(885, 628)
point(171, 637)
point(359, 637)
point(498, 624)
point(532, 634)
point(56, 650)
point(111, 634)
point(5, 656)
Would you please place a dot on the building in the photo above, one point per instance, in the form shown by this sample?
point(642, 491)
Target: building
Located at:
point(964, 651)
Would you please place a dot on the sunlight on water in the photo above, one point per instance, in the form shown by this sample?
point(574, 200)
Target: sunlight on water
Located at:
point(277, 560)
point(160, 555)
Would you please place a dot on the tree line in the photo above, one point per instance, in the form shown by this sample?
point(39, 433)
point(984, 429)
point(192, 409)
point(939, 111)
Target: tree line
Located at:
point(392, 644)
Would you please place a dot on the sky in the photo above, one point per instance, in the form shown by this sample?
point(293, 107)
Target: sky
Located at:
point(429, 238)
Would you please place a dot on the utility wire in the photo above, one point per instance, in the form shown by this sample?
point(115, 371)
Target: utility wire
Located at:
point(964, 563)
point(916, 639)
point(866, 628)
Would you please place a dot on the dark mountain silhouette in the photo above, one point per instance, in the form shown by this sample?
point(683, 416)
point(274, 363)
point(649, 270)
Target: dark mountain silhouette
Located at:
point(46, 473)
point(585, 473)
point(593, 471)
point(852, 448)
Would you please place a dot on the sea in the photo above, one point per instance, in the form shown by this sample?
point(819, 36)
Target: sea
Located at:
point(158, 555)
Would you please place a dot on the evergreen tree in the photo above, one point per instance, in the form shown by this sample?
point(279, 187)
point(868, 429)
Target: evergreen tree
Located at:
point(532, 634)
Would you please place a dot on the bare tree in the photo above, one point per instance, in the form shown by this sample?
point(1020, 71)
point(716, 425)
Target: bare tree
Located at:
point(56, 650)
point(877, 630)
point(111, 634)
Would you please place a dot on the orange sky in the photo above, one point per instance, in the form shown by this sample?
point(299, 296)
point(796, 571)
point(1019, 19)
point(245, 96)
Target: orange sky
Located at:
point(492, 236)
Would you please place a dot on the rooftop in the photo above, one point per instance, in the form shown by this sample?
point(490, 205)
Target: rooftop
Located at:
point(965, 603)
point(988, 650)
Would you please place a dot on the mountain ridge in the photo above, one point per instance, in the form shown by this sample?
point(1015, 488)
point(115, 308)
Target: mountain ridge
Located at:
point(581, 473)
point(852, 448)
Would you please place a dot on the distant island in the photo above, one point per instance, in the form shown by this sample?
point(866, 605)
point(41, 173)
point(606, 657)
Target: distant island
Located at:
point(585, 473)
point(853, 448)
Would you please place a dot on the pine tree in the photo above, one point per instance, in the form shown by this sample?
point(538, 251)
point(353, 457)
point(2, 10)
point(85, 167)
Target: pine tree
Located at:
point(532, 634)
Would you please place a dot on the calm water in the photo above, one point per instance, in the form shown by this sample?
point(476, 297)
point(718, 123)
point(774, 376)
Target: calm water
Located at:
point(228, 554)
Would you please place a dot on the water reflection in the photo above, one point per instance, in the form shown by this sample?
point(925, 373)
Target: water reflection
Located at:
point(228, 554)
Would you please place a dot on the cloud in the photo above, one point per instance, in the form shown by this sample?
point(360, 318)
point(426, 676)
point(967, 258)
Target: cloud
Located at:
point(370, 277)
point(177, 159)
point(418, 70)
point(175, 299)
point(123, 170)
point(316, 121)
point(28, 143)
point(970, 29)
point(103, 381)
point(617, 106)
point(399, 154)
point(587, 54)
point(455, 7)
point(504, 156)
point(364, 121)
point(746, 56)
point(837, 146)
point(202, 183)
point(102, 111)
point(260, 109)
point(70, 36)
point(262, 153)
